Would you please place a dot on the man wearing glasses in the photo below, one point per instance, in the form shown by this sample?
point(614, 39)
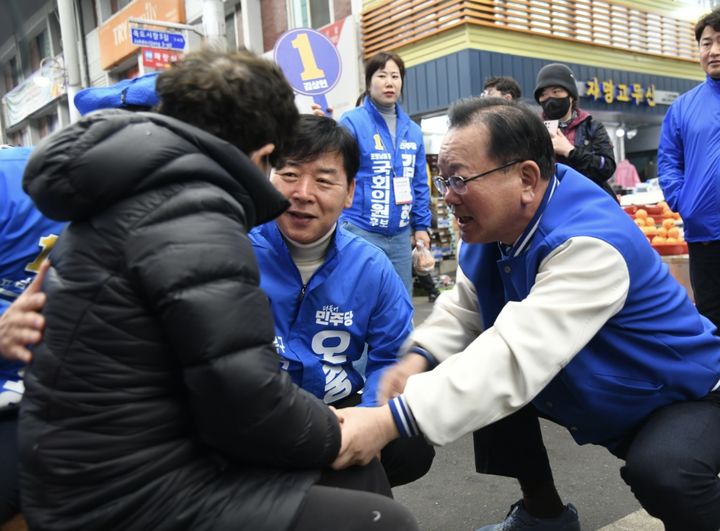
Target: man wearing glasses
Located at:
point(561, 310)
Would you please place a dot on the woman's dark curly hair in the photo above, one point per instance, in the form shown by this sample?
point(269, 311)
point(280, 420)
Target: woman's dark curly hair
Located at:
point(236, 96)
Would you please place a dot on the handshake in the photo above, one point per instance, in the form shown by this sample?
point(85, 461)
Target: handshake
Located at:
point(366, 430)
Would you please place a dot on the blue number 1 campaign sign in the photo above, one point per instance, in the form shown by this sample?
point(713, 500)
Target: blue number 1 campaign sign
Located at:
point(310, 62)
point(157, 39)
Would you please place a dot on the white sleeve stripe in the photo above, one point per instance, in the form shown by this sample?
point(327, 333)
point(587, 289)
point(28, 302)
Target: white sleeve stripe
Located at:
point(403, 417)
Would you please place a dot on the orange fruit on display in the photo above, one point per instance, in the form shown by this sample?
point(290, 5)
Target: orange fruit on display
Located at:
point(630, 209)
point(668, 223)
point(653, 210)
point(658, 239)
point(676, 215)
point(641, 214)
point(673, 232)
point(649, 231)
point(662, 231)
point(649, 220)
point(640, 222)
point(671, 240)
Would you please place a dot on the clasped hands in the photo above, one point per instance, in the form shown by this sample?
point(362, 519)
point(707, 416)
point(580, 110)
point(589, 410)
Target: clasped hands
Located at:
point(366, 430)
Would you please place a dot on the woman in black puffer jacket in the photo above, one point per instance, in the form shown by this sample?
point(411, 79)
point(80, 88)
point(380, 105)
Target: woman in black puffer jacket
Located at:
point(156, 400)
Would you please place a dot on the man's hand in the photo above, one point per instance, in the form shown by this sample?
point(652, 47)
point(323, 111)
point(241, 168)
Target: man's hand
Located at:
point(561, 144)
point(22, 324)
point(420, 235)
point(393, 380)
point(365, 431)
point(317, 110)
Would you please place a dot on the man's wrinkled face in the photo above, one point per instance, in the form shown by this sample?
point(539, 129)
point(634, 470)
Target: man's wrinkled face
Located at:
point(488, 211)
point(318, 192)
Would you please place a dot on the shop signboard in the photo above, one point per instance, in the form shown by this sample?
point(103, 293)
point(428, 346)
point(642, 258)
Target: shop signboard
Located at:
point(631, 93)
point(158, 59)
point(115, 35)
point(151, 38)
point(32, 94)
point(665, 97)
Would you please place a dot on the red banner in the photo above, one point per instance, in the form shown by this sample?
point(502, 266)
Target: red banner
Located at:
point(158, 59)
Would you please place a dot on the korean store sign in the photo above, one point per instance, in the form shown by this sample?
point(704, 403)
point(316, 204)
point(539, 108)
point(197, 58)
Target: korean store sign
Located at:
point(611, 92)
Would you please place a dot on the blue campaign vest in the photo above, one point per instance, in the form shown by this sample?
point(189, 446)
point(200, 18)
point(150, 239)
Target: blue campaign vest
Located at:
point(374, 207)
point(655, 351)
point(321, 330)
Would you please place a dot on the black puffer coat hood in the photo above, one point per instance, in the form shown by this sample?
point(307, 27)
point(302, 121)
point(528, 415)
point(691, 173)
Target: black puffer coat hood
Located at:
point(62, 175)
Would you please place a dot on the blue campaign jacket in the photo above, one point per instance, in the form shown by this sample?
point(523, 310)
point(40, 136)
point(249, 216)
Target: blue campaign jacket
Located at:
point(656, 350)
point(374, 207)
point(26, 237)
point(354, 301)
point(689, 160)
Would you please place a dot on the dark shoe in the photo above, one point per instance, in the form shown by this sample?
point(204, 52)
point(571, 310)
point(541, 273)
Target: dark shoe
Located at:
point(434, 295)
point(518, 519)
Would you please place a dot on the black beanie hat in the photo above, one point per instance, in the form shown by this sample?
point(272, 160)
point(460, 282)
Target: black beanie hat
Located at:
point(556, 75)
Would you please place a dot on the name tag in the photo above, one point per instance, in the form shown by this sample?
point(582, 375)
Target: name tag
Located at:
point(401, 187)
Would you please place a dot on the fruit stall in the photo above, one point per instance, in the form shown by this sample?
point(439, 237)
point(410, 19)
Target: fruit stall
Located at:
point(664, 231)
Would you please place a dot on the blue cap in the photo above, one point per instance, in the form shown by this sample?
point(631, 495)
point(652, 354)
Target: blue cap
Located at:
point(138, 92)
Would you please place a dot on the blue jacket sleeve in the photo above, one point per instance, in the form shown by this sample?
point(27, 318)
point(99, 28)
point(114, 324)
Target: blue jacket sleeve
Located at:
point(420, 217)
point(390, 324)
point(671, 160)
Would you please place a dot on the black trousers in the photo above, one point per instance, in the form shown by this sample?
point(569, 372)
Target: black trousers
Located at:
point(426, 282)
point(9, 483)
point(404, 460)
point(355, 499)
point(671, 462)
point(705, 278)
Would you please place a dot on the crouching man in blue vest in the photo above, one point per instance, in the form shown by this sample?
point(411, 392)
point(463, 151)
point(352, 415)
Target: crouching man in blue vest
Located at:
point(561, 310)
point(341, 311)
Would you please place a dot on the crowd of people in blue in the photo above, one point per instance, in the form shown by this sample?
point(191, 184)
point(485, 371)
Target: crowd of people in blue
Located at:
point(222, 337)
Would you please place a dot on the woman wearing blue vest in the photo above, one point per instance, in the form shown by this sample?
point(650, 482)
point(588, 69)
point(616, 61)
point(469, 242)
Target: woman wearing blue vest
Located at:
point(391, 203)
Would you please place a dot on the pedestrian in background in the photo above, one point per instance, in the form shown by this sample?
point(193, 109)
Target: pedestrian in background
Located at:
point(689, 168)
point(578, 141)
point(502, 87)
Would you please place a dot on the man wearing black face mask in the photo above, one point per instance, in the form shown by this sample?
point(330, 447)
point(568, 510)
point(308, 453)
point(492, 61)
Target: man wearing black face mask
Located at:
point(578, 141)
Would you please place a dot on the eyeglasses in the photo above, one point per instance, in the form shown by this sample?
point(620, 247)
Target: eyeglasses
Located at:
point(459, 184)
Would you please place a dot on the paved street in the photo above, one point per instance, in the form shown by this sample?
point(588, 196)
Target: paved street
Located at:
point(452, 497)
